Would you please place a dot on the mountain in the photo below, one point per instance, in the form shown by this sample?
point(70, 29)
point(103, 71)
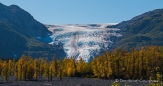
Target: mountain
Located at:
point(90, 40)
point(20, 34)
point(83, 40)
point(142, 30)
point(19, 19)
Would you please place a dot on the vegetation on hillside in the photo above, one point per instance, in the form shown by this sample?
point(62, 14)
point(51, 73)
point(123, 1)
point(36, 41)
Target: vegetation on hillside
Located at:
point(20, 32)
point(143, 30)
point(146, 63)
point(14, 43)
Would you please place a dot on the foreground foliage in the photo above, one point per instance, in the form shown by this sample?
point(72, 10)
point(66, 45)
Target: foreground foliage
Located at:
point(146, 63)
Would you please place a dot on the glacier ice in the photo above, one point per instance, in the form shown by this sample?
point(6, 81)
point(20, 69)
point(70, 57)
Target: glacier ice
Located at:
point(83, 40)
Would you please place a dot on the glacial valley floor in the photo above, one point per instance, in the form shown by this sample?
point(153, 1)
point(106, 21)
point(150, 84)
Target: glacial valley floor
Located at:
point(70, 81)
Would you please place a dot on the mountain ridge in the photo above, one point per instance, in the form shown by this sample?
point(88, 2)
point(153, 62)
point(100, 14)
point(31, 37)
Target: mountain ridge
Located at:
point(20, 33)
point(24, 20)
point(142, 30)
point(138, 32)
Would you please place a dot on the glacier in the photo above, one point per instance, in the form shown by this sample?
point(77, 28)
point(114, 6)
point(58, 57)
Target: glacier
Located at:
point(84, 41)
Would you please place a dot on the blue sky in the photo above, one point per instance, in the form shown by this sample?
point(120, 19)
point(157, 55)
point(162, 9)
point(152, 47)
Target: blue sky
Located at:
point(85, 11)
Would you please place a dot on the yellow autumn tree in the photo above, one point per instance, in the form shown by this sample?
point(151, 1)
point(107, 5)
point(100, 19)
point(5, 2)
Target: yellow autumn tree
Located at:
point(95, 68)
point(65, 66)
point(41, 67)
point(20, 74)
point(53, 67)
point(2, 65)
point(60, 69)
point(5, 72)
point(35, 68)
point(82, 67)
point(71, 67)
point(11, 66)
point(46, 70)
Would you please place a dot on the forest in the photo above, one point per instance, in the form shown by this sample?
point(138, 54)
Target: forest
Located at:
point(145, 63)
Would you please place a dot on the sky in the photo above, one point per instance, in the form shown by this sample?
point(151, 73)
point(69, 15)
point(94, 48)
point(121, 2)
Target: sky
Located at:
point(85, 11)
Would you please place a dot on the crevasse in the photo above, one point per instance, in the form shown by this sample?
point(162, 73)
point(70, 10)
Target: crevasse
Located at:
point(85, 41)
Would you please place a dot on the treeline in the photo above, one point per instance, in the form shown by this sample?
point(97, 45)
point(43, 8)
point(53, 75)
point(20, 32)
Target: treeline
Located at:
point(145, 63)
point(28, 68)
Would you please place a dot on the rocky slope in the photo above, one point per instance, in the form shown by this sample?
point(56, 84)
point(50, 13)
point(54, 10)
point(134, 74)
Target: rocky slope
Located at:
point(90, 40)
point(19, 19)
point(22, 34)
point(142, 30)
point(19, 34)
